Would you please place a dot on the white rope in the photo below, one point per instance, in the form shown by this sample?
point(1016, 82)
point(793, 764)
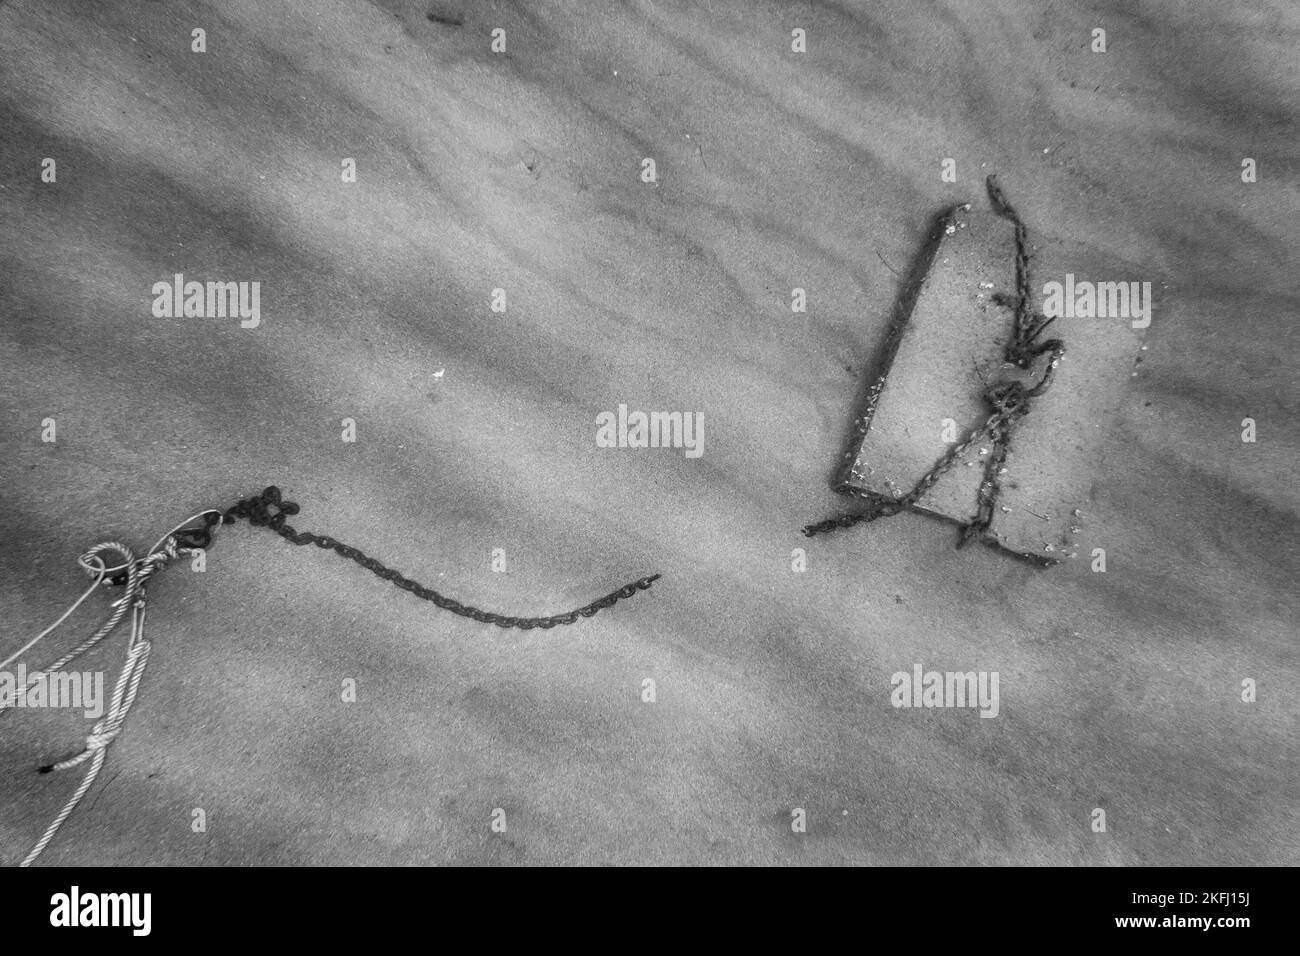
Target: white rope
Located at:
point(104, 732)
point(45, 633)
point(107, 729)
point(119, 609)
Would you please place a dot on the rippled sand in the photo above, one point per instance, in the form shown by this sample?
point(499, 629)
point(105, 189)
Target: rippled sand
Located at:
point(521, 171)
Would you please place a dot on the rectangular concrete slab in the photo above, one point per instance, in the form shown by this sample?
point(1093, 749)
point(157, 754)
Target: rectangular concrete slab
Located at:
point(947, 347)
point(949, 338)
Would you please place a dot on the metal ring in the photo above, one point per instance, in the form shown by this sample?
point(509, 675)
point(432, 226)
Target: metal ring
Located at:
point(195, 517)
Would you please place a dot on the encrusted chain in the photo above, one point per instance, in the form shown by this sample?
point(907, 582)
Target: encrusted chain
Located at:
point(269, 510)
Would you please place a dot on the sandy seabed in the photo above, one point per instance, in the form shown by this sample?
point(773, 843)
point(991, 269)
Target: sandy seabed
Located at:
point(475, 429)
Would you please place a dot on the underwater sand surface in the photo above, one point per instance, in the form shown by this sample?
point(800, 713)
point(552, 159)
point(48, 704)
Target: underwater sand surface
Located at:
point(475, 429)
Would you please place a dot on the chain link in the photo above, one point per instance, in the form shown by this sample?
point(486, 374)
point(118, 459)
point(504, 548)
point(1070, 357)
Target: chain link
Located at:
point(270, 509)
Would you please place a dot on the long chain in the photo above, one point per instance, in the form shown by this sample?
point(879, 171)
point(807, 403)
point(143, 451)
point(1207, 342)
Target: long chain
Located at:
point(269, 509)
point(1009, 402)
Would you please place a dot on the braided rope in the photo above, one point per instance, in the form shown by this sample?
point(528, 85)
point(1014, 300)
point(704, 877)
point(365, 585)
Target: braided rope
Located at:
point(86, 782)
point(119, 606)
point(97, 743)
point(107, 729)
